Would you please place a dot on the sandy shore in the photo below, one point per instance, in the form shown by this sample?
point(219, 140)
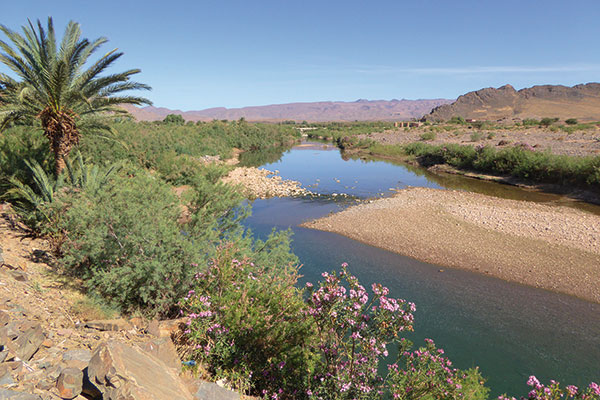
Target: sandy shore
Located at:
point(554, 248)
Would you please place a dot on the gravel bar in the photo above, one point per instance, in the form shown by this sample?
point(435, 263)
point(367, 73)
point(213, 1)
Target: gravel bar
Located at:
point(550, 247)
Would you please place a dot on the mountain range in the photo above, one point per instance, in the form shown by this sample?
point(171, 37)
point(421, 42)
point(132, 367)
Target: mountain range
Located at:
point(361, 110)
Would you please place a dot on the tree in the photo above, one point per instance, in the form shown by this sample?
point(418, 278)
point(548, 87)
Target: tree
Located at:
point(59, 88)
point(174, 119)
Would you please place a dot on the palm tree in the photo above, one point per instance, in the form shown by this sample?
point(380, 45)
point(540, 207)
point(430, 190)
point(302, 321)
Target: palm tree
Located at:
point(58, 87)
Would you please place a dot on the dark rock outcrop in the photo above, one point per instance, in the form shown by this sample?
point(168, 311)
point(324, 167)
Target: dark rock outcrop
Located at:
point(580, 101)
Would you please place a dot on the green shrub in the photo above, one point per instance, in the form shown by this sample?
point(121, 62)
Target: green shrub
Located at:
point(548, 121)
point(530, 122)
point(476, 136)
point(174, 119)
point(18, 145)
point(457, 120)
point(571, 121)
point(126, 245)
point(428, 136)
point(247, 319)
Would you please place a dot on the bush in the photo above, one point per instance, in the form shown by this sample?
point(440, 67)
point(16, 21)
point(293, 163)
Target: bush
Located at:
point(247, 320)
point(548, 121)
point(174, 119)
point(125, 243)
point(428, 136)
point(18, 145)
point(530, 122)
point(571, 121)
point(457, 120)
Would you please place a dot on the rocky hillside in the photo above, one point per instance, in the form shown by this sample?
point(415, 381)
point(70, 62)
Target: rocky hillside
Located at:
point(49, 350)
point(361, 110)
point(506, 103)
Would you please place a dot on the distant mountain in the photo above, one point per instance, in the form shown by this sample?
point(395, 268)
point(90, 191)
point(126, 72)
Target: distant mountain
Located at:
point(361, 110)
point(580, 101)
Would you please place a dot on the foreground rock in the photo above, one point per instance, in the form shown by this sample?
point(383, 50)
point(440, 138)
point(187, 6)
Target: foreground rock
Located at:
point(262, 183)
point(124, 372)
point(550, 247)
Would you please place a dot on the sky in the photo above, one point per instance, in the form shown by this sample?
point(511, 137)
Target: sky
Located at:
point(201, 54)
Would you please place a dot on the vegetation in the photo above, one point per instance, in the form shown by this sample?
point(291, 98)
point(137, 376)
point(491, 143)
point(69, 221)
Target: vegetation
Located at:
point(119, 220)
point(174, 119)
point(515, 161)
point(54, 87)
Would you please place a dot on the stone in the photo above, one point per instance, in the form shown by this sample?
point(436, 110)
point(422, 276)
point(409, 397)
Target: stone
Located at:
point(77, 354)
point(88, 388)
point(109, 325)
point(6, 394)
point(70, 383)
point(153, 328)
point(6, 378)
point(28, 343)
point(3, 355)
point(77, 358)
point(19, 275)
point(124, 372)
point(212, 391)
point(163, 349)
point(4, 318)
point(168, 327)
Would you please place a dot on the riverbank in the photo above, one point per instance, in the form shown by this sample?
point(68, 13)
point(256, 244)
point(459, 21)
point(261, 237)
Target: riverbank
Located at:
point(549, 247)
point(261, 183)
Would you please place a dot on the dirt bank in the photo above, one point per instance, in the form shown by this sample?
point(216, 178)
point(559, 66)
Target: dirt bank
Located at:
point(554, 248)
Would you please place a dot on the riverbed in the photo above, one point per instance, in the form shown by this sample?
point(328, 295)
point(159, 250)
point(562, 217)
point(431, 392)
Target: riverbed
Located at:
point(510, 330)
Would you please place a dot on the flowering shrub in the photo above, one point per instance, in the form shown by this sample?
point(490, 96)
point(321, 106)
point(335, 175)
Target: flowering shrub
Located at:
point(354, 333)
point(246, 323)
point(428, 374)
point(553, 391)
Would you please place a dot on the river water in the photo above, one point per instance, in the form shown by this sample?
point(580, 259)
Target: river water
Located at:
point(509, 330)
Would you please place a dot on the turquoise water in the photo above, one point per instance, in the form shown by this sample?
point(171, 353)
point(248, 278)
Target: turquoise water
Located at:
point(510, 331)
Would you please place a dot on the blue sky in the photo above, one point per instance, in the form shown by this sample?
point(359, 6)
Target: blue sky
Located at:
point(201, 54)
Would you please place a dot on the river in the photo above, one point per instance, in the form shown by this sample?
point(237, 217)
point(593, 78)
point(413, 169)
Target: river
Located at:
point(509, 330)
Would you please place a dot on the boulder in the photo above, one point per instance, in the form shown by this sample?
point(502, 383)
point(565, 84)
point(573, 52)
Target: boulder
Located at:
point(77, 358)
point(28, 341)
point(123, 372)
point(163, 349)
point(70, 383)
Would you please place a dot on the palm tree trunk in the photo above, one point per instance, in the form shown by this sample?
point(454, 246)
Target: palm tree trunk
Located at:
point(61, 131)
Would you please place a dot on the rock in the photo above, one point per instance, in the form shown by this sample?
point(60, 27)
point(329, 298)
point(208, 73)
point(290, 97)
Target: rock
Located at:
point(3, 355)
point(18, 275)
point(124, 372)
point(28, 343)
point(109, 325)
point(4, 318)
point(212, 391)
point(1, 257)
point(6, 394)
point(70, 383)
point(6, 378)
point(153, 328)
point(83, 355)
point(163, 349)
point(168, 327)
